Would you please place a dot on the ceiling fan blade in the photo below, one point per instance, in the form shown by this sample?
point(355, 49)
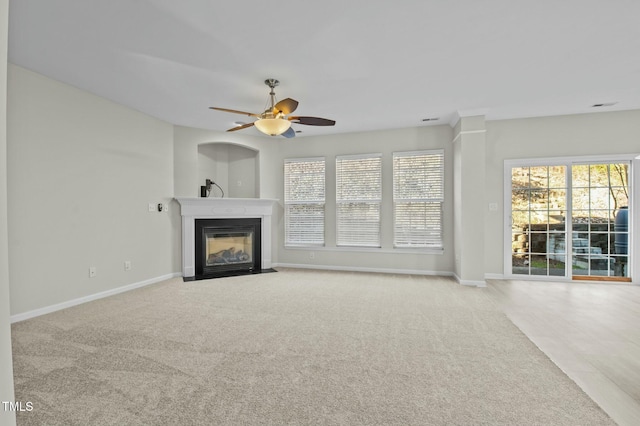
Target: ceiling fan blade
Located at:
point(290, 133)
point(285, 106)
point(313, 121)
point(244, 126)
point(235, 111)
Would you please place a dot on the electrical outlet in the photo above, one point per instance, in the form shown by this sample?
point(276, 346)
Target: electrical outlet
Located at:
point(312, 255)
point(92, 271)
point(127, 265)
point(239, 183)
point(152, 207)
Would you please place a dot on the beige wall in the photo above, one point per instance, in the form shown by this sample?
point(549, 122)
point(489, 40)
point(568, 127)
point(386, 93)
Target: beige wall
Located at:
point(82, 171)
point(572, 135)
point(385, 142)
point(6, 364)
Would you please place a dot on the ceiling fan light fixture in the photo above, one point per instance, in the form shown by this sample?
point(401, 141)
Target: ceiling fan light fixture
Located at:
point(272, 126)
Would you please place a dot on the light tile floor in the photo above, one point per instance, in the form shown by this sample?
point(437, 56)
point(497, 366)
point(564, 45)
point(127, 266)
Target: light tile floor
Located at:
point(590, 330)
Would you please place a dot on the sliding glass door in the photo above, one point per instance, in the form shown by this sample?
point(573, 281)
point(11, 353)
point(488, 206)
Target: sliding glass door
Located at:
point(538, 225)
point(570, 220)
point(599, 220)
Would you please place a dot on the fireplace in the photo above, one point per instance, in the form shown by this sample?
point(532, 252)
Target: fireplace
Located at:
point(227, 246)
point(210, 211)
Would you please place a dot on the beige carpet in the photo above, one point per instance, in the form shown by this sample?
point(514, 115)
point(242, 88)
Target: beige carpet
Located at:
point(293, 347)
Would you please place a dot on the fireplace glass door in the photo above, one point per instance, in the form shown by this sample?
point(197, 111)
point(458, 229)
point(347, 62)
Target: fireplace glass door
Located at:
point(228, 248)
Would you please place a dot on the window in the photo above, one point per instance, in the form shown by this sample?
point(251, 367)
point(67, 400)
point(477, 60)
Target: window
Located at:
point(304, 197)
point(358, 200)
point(569, 217)
point(418, 194)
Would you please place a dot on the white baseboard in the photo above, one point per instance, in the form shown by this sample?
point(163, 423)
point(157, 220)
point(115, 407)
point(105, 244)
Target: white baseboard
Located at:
point(470, 283)
point(48, 309)
point(494, 276)
point(363, 269)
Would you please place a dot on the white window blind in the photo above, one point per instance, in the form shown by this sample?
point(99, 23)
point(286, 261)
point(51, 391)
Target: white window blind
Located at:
point(358, 200)
point(418, 194)
point(304, 199)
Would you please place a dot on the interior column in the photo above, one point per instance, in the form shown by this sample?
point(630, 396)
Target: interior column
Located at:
point(469, 199)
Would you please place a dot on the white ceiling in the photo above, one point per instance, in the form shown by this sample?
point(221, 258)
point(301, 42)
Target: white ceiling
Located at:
point(366, 64)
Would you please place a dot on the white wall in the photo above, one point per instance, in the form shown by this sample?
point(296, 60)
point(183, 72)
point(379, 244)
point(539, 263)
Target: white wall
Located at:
point(213, 163)
point(188, 178)
point(385, 142)
point(243, 172)
point(572, 135)
point(82, 171)
point(233, 167)
point(6, 364)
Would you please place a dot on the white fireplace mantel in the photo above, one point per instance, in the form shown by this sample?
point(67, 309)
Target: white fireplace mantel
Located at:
point(221, 208)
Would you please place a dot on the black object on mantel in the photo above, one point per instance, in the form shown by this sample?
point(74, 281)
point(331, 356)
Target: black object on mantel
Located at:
point(203, 191)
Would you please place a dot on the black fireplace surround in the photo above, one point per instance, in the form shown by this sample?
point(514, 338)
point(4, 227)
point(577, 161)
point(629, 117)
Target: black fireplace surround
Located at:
point(227, 247)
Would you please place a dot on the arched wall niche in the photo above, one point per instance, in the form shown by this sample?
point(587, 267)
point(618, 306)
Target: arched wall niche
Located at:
point(232, 166)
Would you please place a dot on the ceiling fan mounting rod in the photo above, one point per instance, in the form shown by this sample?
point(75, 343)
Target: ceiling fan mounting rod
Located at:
point(272, 83)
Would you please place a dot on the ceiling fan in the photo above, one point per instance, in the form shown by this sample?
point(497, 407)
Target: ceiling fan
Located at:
point(275, 120)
